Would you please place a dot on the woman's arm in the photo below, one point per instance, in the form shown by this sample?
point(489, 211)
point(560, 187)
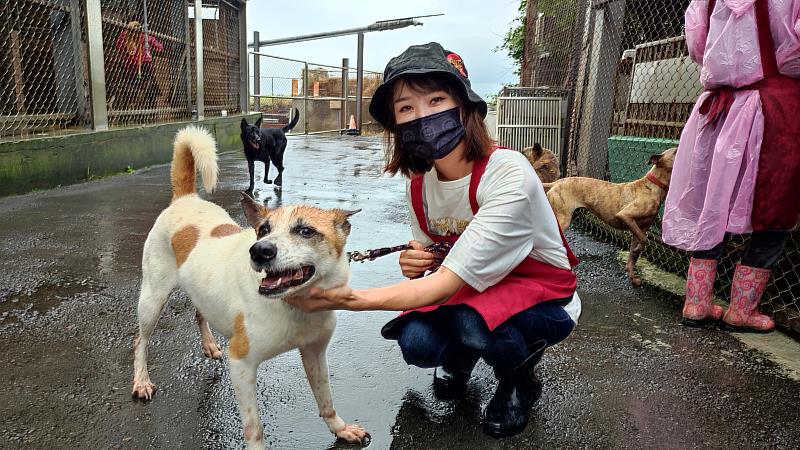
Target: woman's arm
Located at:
point(156, 44)
point(696, 23)
point(409, 294)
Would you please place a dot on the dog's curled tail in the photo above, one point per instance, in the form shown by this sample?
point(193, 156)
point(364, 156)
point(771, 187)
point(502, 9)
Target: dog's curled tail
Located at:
point(291, 124)
point(194, 147)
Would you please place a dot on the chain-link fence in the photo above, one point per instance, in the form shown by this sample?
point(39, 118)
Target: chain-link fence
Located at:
point(146, 60)
point(278, 87)
point(631, 89)
point(222, 41)
point(325, 95)
point(146, 53)
point(41, 69)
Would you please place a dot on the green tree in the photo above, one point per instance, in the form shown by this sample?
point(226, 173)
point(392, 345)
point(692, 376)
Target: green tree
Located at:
point(514, 39)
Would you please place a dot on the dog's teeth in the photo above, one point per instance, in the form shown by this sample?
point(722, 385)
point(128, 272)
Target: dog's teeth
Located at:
point(298, 275)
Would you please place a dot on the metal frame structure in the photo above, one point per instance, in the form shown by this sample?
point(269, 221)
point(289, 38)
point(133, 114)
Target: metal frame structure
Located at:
point(381, 25)
point(535, 120)
point(97, 71)
point(528, 115)
point(304, 88)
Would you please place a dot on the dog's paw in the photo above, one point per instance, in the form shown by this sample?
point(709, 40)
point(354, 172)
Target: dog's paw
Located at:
point(353, 434)
point(636, 281)
point(143, 390)
point(212, 350)
point(267, 181)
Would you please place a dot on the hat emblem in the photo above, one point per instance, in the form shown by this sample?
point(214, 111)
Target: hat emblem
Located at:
point(458, 63)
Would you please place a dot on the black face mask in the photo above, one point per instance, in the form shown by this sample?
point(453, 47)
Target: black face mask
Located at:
point(432, 137)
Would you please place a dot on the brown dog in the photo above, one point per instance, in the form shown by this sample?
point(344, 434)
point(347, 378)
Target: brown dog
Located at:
point(625, 206)
point(544, 162)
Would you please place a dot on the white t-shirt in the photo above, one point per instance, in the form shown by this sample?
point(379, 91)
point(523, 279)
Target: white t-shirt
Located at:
point(514, 221)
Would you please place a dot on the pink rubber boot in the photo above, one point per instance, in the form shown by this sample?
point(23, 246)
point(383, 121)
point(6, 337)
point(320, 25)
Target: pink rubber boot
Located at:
point(697, 308)
point(746, 290)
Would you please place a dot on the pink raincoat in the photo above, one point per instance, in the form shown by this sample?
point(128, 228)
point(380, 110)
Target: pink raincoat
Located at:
point(738, 162)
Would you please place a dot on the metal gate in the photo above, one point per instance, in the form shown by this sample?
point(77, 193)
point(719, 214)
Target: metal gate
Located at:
point(526, 116)
point(325, 95)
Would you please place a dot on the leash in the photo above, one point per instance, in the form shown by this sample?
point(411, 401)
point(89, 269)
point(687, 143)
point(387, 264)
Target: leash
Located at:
point(439, 250)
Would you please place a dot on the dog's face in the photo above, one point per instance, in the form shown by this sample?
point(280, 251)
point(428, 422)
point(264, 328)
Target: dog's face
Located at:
point(664, 160)
point(251, 137)
point(298, 246)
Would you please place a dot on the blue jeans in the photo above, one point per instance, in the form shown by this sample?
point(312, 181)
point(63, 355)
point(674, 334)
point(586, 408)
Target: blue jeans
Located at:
point(455, 333)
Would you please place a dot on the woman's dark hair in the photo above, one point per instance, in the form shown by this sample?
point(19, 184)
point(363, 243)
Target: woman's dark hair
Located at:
point(477, 139)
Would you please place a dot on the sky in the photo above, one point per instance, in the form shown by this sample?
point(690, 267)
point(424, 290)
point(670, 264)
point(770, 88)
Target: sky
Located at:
point(471, 28)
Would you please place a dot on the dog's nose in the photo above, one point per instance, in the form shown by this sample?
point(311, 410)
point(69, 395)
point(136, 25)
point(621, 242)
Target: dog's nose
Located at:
point(263, 252)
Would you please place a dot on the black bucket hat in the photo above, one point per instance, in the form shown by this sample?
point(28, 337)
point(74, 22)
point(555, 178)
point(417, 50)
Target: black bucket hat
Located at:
point(421, 59)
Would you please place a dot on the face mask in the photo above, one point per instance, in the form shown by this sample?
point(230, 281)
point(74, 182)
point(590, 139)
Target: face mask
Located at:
point(432, 137)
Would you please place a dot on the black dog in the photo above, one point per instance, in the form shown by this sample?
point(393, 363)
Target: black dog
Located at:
point(265, 145)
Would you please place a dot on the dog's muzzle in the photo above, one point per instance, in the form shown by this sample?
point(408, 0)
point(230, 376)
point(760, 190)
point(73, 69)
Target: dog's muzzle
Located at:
point(262, 253)
point(277, 280)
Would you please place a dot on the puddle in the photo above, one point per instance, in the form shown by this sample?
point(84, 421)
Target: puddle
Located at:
point(38, 302)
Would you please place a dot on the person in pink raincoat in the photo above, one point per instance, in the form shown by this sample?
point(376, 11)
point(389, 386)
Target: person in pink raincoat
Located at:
point(136, 51)
point(737, 169)
point(505, 290)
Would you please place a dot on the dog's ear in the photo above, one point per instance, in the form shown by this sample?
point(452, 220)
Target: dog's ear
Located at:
point(348, 212)
point(244, 124)
point(252, 210)
point(537, 150)
point(258, 123)
point(340, 219)
point(654, 159)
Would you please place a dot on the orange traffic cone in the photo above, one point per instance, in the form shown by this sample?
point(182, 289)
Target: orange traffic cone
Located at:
point(352, 130)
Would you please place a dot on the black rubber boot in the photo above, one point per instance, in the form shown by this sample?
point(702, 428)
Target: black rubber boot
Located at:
point(450, 380)
point(517, 390)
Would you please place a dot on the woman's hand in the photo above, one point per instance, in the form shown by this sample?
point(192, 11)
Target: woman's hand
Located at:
point(415, 262)
point(341, 297)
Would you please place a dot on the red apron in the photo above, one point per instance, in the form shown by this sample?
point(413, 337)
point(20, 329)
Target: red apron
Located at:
point(530, 283)
point(776, 200)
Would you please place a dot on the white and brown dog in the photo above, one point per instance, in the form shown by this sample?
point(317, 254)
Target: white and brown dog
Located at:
point(236, 277)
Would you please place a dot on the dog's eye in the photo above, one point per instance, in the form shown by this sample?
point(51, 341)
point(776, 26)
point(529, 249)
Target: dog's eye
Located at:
point(263, 230)
point(306, 232)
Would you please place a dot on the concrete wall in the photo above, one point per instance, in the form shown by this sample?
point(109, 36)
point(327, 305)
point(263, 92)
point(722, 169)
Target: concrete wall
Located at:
point(44, 163)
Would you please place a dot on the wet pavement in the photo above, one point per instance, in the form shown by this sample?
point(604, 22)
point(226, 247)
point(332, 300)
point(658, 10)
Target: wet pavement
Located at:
point(628, 377)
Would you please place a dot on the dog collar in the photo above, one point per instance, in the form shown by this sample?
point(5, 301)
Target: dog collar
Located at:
point(652, 178)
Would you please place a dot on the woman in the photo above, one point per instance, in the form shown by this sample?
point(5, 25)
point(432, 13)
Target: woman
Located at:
point(738, 164)
point(505, 290)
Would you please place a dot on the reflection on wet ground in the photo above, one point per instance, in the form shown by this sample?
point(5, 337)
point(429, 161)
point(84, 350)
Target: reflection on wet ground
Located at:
point(629, 377)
